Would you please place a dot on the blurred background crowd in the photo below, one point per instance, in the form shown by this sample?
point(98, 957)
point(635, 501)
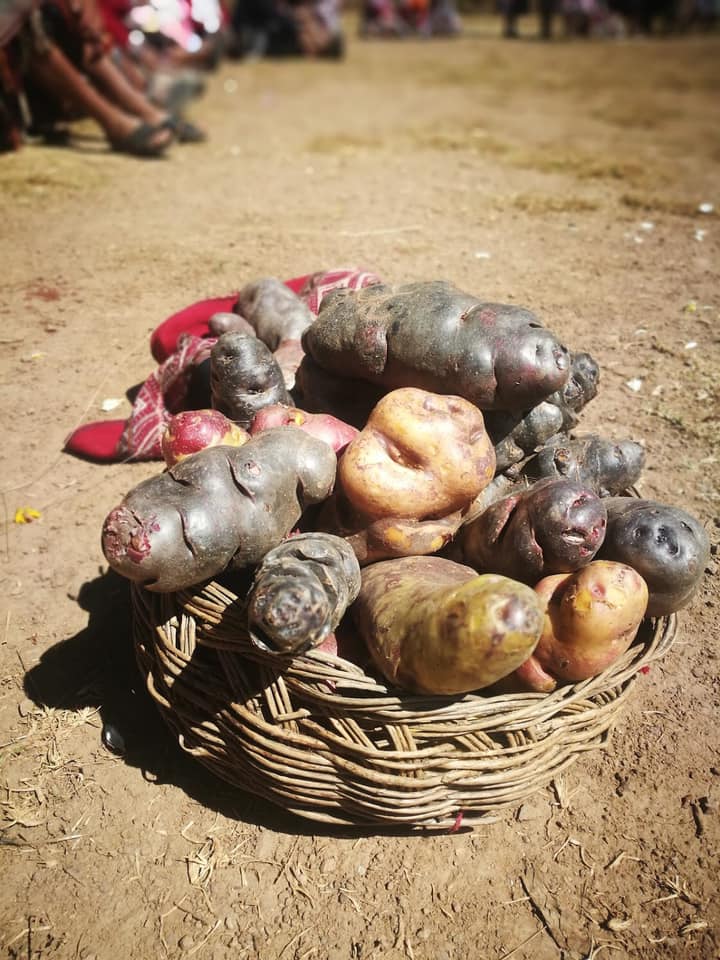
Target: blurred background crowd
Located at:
point(134, 65)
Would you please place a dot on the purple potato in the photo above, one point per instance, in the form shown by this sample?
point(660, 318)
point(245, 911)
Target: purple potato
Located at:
point(606, 467)
point(301, 591)
point(274, 311)
point(667, 546)
point(554, 526)
point(433, 336)
point(515, 435)
point(245, 377)
point(221, 506)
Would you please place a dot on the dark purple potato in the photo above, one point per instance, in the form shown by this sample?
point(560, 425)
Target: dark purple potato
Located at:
point(606, 467)
point(220, 506)
point(515, 435)
point(318, 391)
point(580, 389)
point(667, 546)
point(245, 377)
point(555, 526)
point(301, 591)
point(435, 337)
point(274, 311)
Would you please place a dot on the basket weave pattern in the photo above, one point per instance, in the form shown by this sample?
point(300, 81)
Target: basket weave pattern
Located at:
point(325, 740)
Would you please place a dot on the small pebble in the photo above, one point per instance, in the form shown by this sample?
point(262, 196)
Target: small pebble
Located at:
point(635, 384)
point(186, 942)
point(113, 739)
point(25, 707)
point(329, 865)
point(706, 208)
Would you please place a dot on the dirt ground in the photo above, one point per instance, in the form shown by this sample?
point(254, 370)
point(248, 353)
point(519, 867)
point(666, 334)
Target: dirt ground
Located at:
point(564, 177)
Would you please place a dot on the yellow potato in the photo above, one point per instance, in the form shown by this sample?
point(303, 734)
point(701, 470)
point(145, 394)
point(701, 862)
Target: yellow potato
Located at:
point(593, 616)
point(420, 455)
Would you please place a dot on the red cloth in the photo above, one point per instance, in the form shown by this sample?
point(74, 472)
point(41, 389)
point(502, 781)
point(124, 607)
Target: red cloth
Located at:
point(179, 342)
point(193, 320)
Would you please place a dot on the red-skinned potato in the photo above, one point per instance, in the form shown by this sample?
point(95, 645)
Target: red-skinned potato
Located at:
point(420, 455)
point(592, 617)
point(321, 425)
point(193, 430)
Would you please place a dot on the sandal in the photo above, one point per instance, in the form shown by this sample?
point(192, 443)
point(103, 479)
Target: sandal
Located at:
point(140, 142)
point(185, 132)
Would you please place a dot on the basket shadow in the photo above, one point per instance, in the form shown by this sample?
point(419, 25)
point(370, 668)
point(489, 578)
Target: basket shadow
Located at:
point(97, 668)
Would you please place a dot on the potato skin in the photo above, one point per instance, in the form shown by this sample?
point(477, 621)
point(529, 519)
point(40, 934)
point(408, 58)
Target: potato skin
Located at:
point(321, 425)
point(434, 626)
point(515, 435)
point(592, 617)
point(433, 336)
point(666, 545)
point(300, 592)
point(244, 377)
point(222, 505)
point(420, 455)
point(606, 466)
point(555, 526)
point(273, 310)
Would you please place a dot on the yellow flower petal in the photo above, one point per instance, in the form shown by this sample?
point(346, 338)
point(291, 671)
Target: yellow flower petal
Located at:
point(26, 515)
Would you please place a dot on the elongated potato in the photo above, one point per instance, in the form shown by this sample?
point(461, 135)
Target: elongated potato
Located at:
point(434, 626)
point(433, 336)
point(273, 310)
point(220, 506)
point(607, 467)
point(387, 537)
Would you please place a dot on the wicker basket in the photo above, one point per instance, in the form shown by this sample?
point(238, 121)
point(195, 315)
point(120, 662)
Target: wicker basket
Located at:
point(324, 740)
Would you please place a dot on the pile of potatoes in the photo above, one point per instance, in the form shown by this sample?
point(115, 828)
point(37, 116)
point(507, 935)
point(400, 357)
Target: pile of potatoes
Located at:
point(404, 469)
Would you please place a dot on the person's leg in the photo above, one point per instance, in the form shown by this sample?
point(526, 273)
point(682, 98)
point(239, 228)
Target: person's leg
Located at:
point(116, 87)
point(52, 70)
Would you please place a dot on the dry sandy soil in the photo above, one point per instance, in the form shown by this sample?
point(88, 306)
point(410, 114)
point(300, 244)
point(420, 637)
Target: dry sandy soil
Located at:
point(566, 178)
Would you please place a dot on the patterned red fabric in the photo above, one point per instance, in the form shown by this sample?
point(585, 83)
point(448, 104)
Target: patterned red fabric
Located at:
point(320, 284)
point(162, 395)
point(179, 342)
